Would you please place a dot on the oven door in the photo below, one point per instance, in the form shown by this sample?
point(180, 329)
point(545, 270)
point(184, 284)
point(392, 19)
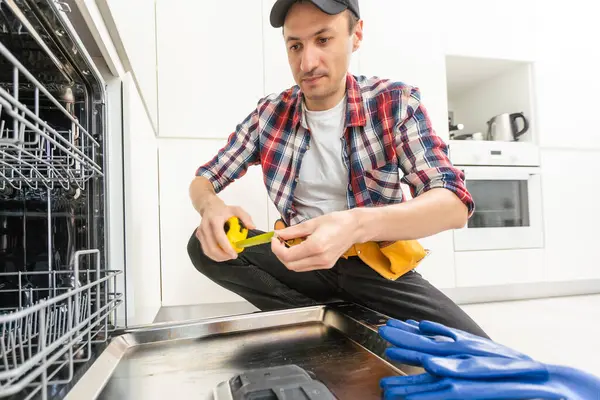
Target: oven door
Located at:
point(508, 209)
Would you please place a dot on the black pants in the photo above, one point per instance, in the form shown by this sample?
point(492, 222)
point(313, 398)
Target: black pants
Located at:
point(258, 276)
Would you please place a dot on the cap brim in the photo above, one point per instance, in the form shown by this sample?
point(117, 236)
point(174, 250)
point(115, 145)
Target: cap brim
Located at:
point(281, 7)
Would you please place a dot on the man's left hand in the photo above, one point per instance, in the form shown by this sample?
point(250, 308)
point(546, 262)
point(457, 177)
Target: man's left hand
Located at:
point(327, 238)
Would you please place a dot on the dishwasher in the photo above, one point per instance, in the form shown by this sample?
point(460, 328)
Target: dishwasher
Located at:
point(57, 296)
point(60, 332)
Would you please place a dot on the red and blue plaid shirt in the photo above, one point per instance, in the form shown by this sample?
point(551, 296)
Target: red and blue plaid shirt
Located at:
point(388, 139)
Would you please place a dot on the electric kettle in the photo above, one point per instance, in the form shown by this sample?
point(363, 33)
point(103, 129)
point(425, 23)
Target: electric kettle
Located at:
point(504, 127)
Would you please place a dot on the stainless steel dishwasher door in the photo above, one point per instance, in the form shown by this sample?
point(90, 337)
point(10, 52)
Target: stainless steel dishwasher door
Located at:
point(339, 344)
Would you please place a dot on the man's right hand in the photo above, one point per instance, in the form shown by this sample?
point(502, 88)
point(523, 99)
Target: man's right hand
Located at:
point(211, 232)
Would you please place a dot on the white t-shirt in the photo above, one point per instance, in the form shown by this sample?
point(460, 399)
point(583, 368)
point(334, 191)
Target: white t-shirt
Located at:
point(323, 178)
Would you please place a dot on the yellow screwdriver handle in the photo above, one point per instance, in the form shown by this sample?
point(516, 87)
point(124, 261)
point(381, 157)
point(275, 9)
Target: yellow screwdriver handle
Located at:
point(236, 231)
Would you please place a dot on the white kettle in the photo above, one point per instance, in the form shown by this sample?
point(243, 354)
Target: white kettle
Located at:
point(504, 127)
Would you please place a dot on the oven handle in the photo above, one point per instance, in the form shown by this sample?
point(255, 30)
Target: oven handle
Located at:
point(500, 173)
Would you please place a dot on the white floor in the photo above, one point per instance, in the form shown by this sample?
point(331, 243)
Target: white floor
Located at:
point(563, 330)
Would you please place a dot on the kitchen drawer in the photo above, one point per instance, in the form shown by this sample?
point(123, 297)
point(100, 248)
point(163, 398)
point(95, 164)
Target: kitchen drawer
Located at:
point(502, 267)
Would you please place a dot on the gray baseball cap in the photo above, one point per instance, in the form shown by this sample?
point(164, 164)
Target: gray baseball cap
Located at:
point(332, 7)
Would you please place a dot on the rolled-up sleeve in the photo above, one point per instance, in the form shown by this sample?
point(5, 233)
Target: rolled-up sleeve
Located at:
point(422, 154)
point(232, 161)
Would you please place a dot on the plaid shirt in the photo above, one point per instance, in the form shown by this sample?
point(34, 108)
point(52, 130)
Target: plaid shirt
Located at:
point(387, 131)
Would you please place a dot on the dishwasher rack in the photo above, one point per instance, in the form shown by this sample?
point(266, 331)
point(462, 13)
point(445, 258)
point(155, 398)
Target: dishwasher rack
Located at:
point(58, 297)
point(35, 154)
point(40, 343)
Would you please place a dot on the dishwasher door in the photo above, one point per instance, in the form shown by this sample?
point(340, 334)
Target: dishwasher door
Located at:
point(338, 344)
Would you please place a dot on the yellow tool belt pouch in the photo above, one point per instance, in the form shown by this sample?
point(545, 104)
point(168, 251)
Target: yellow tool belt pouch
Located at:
point(390, 259)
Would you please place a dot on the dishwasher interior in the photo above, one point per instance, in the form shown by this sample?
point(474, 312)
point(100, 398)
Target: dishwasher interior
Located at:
point(57, 294)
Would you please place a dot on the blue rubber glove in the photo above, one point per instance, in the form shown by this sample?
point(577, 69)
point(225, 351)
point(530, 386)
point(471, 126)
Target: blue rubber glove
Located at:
point(460, 365)
point(432, 338)
point(489, 378)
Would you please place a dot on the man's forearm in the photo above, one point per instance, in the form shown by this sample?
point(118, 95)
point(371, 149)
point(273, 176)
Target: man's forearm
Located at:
point(432, 212)
point(202, 194)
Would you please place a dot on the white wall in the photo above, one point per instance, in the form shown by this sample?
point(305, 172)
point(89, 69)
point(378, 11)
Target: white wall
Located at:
point(204, 91)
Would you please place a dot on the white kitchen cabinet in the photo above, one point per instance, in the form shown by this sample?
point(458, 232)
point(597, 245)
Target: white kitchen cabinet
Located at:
point(566, 76)
point(278, 75)
point(210, 66)
point(477, 28)
point(571, 216)
point(499, 267)
point(179, 159)
point(132, 27)
point(142, 241)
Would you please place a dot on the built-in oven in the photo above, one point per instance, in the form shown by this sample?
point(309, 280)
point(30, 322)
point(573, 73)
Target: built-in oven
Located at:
point(505, 182)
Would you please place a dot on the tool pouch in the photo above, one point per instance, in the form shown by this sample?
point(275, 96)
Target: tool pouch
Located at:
point(389, 259)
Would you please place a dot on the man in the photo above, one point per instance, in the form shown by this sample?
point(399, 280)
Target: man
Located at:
point(330, 149)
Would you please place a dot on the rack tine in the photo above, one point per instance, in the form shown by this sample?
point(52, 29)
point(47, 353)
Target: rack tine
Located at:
point(20, 337)
point(1, 125)
point(4, 350)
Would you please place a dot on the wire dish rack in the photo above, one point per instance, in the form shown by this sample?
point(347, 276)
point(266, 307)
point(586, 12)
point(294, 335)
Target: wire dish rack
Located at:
point(42, 341)
point(58, 299)
point(33, 153)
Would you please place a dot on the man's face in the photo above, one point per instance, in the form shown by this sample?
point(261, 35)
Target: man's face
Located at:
point(319, 48)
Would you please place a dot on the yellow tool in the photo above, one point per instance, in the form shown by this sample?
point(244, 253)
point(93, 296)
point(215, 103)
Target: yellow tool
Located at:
point(235, 231)
point(237, 234)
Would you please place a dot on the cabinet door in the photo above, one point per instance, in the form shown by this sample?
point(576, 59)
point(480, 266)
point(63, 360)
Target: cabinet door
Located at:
point(278, 75)
point(501, 30)
point(499, 267)
point(567, 55)
point(133, 30)
point(179, 159)
point(571, 217)
point(142, 241)
point(210, 65)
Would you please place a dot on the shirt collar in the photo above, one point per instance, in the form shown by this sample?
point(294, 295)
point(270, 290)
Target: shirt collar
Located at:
point(355, 112)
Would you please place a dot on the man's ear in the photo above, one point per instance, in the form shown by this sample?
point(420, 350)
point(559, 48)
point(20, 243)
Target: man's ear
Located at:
point(357, 37)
